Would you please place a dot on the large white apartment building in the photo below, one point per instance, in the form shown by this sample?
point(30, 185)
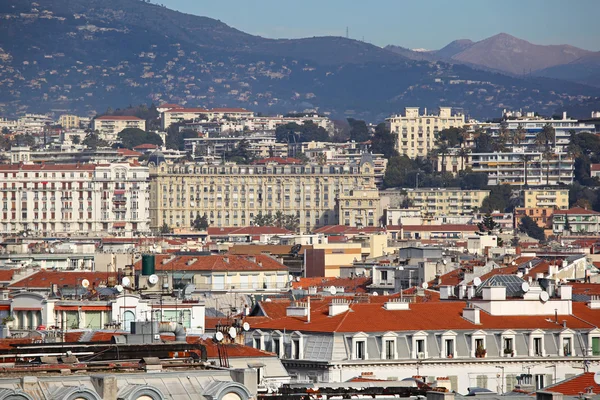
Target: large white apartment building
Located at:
point(533, 125)
point(518, 168)
point(417, 133)
point(74, 198)
point(175, 115)
point(109, 126)
point(447, 201)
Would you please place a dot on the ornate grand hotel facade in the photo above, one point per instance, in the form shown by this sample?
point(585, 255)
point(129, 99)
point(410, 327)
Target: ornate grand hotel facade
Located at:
point(232, 195)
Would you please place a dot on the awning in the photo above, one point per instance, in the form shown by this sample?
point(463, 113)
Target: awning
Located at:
point(27, 309)
point(119, 225)
point(83, 308)
point(119, 192)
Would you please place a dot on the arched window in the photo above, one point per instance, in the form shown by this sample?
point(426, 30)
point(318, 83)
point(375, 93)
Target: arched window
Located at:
point(128, 318)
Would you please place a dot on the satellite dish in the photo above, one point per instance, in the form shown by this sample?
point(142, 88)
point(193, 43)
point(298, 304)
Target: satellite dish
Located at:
point(525, 287)
point(246, 326)
point(219, 336)
point(85, 283)
point(477, 281)
point(375, 294)
point(192, 203)
point(52, 250)
point(444, 261)
point(332, 290)
point(125, 281)
point(153, 279)
point(291, 278)
point(424, 285)
point(268, 300)
point(119, 288)
point(297, 279)
point(544, 297)
point(597, 377)
point(513, 263)
point(232, 332)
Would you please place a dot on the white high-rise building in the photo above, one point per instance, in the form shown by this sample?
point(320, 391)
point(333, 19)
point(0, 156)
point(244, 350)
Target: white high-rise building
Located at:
point(417, 133)
point(74, 199)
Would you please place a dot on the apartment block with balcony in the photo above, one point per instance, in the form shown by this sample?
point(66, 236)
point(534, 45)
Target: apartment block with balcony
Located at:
point(518, 168)
point(109, 126)
point(359, 208)
point(546, 198)
point(232, 195)
point(447, 201)
point(69, 121)
point(576, 221)
point(417, 134)
point(74, 198)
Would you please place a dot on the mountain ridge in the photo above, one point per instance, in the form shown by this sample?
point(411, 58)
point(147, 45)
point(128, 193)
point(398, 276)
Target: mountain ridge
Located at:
point(86, 55)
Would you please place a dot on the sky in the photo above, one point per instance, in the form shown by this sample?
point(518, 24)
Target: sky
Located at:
point(428, 24)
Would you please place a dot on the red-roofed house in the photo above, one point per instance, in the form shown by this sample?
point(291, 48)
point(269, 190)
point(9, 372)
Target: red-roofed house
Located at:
point(109, 126)
point(146, 148)
point(175, 115)
point(580, 221)
point(579, 385)
point(595, 170)
point(383, 336)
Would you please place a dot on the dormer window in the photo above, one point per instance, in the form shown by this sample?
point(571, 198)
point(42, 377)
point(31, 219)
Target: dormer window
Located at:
point(419, 345)
point(536, 344)
point(448, 345)
point(389, 346)
point(359, 346)
point(566, 340)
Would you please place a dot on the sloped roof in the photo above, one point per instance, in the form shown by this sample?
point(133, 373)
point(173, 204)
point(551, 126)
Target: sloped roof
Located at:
point(575, 385)
point(576, 211)
point(44, 278)
point(257, 262)
point(372, 317)
point(6, 275)
point(248, 231)
point(350, 285)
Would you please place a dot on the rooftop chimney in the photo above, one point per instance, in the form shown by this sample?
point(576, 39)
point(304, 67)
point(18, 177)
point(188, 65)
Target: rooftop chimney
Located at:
point(471, 314)
point(396, 304)
point(338, 306)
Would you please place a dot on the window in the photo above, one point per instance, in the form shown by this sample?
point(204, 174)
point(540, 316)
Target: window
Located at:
point(257, 343)
point(449, 348)
point(296, 349)
point(567, 346)
point(596, 346)
point(420, 346)
point(277, 346)
point(390, 350)
point(359, 350)
point(384, 276)
point(508, 346)
point(537, 347)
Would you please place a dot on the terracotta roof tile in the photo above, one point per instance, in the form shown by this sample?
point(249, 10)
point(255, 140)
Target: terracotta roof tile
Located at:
point(44, 278)
point(248, 231)
point(576, 385)
point(6, 275)
point(257, 262)
point(350, 285)
point(576, 211)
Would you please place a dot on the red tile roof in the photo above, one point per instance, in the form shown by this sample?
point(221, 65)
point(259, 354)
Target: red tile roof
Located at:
point(279, 160)
point(47, 167)
point(594, 167)
point(257, 262)
point(119, 118)
point(234, 350)
point(187, 110)
point(576, 211)
point(576, 385)
point(128, 153)
point(6, 275)
point(441, 228)
point(372, 317)
point(241, 110)
point(248, 231)
point(276, 249)
point(146, 146)
point(45, 278)
point(6, 344)
point(585, 288)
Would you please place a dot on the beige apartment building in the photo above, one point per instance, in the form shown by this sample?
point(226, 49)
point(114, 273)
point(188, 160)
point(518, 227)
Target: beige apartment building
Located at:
point(109, 126)
point(232, 195)
point(447, 201)
point(546, 198)
point(417, 133)
point(69, 121)
point(359, 208)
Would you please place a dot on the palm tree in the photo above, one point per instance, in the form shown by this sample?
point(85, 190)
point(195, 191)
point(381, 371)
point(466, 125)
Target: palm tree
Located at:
point(518, 135)
point(443, 150)
point(525, 159)
point(548, 155)
point(504, 134)
point(463, 153)
point(546, 137)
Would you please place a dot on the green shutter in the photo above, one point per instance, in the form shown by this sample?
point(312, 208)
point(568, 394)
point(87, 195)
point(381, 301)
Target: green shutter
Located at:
point(72, 320)
point(549, 380)
point(453, 382)
point(93, 319)
point(596, 346)
point(511, 382)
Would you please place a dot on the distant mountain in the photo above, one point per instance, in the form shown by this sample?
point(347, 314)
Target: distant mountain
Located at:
point(453, 48)
point(413, 54)
point(507, 53)
point(86, 55)
point(585, 70)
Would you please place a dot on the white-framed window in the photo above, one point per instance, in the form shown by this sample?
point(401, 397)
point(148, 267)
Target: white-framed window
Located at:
point(448, 345)
point(478, 344)
point(508, 339)
point(277, 343)
point(419, 345)
point(297, 342)
point(258, 340)
point(536, 343)
point(359, 346)
point(566, 340)
point(389, 346)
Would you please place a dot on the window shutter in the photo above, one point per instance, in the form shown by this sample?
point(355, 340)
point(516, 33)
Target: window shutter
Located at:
point(511, 382)
point(548, 380)
point(453, 382)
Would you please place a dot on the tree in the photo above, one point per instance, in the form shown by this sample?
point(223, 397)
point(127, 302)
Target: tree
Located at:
point(200, 222)
point(567, 225)
point(76, 139)
point(548, 155)
point(525, 159)
point(24, 140)
point(546, 137)
point(504, 133)
point(132, 137)
point(531, 229)
point(499, 199)
point(463, 153)
point(397, 170)
point(164, 229)
point(488, 226)
point(442, 150)
point(93, 141)
point(176, 138)
point(241, 154)
point(484, 143)
point(359, 131)
point(288, 221)
point(294, 133)
point(518, 135)
point(384, 142)
point(450, 136)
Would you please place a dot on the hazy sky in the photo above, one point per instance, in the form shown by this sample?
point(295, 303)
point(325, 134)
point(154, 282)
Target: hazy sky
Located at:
point(429, 24)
